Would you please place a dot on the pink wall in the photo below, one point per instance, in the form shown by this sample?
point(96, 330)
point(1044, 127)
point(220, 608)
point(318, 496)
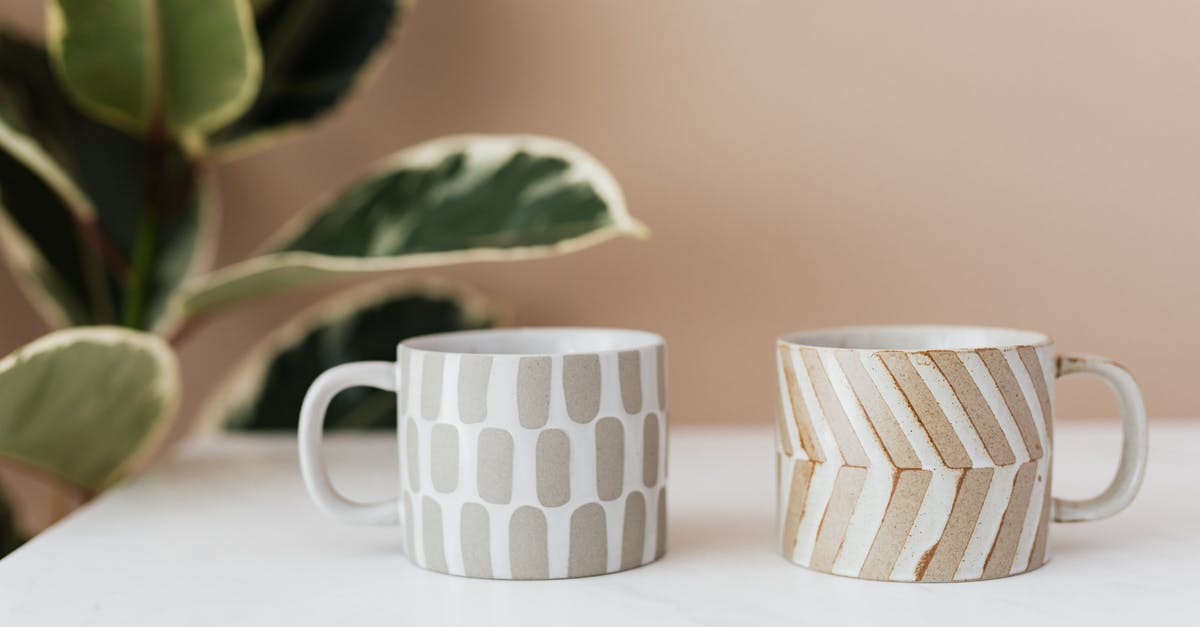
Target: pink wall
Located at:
point(801, 164)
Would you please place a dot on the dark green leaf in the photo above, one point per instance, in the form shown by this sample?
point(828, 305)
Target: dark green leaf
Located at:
point(102, 189)
point(346, 328)
point(451, 200)
point(41, 242)
point(314, 53)
point(10, 536)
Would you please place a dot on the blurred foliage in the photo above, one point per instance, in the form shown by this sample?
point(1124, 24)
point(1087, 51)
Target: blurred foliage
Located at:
point(108, 138)
point(10, 537)
point(266, 389)
point(81, 403)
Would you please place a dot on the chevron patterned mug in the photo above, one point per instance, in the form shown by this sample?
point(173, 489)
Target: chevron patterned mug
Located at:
point(923, 453)
point(525, 453)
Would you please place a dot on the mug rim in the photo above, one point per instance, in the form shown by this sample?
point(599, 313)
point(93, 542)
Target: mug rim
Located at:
point(1008, 338)
point(576, 341)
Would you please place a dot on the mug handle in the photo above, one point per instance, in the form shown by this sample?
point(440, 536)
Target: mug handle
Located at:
point(1131, 468)
point(376, 374)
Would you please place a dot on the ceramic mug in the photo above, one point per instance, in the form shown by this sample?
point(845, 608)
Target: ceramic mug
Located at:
point(923, 453)
point(525, 453)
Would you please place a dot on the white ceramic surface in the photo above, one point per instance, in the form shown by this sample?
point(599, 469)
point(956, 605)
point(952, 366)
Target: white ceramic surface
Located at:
point(224, 534)
point(923, 452)
point(535, 453)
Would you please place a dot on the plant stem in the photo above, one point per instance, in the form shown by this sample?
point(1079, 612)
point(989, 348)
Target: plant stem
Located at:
point(143, 264)
point(155, 205)
point(101, 246)
point(97, 283)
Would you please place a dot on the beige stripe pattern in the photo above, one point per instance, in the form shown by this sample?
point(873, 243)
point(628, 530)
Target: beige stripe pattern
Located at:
point(914, 466)
point(797, 498)
point(1000, 558)
point(794, 401)
point(903, 505)
point(895, 443)
point(1041, 384)
point(835, 415)
point(921, 402)
point(1014, 399)
point(832, 529)
point(941, 561)
point(968, 394)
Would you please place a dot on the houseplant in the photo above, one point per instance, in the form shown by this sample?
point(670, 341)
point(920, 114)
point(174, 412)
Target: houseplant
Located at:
point(108, 139)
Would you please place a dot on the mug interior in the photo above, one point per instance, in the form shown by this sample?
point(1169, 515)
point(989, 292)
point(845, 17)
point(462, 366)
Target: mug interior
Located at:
point(917, 338)
point(534, 341)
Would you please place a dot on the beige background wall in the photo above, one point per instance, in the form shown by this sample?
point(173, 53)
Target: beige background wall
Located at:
point(801, 164)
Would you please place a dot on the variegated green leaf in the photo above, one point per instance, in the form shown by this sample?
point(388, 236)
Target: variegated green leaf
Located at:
point(40, 237)
point(194, 65)
point(451, 200)
point(315, 53)
point(266, 390)
point(85, 403)
point(70, 192)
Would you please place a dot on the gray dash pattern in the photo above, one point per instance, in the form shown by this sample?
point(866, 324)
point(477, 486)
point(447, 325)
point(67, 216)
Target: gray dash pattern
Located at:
point(412, 455)
point(660, 541)
point(476, 541)
point(581, 386)
point(650, 451)
point(431, 385)
point(431, 525)
point(633, 534)
point(589, 542)
point(494, 463)
point(553, 468)
point(402, 368)
point(474, 372)
point(660, 364)
point(443, 458)
point(610, 458)
point(533, 391)
point(460, 459)
point(629, 372)
point(527, 552)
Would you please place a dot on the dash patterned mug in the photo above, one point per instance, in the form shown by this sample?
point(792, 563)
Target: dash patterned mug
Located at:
point(536, 453)
point(923, 453)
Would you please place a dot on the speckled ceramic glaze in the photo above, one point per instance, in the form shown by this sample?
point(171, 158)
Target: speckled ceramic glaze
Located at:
point(525, 453)
point(923, 453)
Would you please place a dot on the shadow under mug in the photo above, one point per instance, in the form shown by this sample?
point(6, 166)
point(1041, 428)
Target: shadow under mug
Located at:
point(923, 453)
point(535, 453)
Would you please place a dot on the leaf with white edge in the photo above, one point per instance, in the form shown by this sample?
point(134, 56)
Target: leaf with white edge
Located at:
point(86, 404)
point(451, 200)
point(265, 392)
point(193, 64)
point(70, 190)
point(315, 54)
point(38, 236)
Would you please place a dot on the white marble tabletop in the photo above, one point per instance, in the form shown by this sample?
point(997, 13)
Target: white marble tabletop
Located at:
point(223, 534)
